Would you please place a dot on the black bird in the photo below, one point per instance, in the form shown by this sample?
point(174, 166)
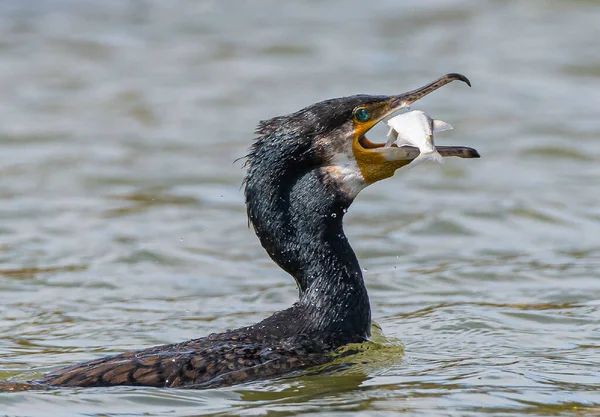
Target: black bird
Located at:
point(304, 171)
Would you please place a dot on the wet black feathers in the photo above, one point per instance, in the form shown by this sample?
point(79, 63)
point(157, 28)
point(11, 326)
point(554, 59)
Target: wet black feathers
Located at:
point(298, 219)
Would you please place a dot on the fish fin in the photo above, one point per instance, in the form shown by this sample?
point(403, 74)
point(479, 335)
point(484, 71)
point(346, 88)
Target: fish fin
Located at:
point(441, 126)
point(429, 156)
point(392, 137)
point(435, 156)
point(416, 161)
point(403, 140)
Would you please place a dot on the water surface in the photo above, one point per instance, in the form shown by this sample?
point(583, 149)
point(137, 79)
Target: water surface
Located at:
point(123, 225)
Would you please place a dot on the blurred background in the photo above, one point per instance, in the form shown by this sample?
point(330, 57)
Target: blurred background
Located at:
point(122, 222)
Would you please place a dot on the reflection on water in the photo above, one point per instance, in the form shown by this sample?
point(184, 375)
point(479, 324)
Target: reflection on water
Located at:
point(123, 224)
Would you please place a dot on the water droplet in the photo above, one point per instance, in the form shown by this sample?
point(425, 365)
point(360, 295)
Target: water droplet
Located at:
point(333, 215)
point(181, 239)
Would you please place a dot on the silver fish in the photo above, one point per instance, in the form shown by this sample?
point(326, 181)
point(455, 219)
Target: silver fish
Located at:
point(416, 128)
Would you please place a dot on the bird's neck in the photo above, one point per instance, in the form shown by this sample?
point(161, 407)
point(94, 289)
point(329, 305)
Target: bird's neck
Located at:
point(299, 222)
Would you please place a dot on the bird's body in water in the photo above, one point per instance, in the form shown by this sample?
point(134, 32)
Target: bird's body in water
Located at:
point(303, 172)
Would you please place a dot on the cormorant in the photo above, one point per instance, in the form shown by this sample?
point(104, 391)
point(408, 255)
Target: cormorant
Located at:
point(303, 172)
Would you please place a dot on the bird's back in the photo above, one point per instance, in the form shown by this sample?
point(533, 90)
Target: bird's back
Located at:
point(227, 358)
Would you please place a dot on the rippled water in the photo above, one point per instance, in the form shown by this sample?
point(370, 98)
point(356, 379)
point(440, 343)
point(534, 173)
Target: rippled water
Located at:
point(123, 224)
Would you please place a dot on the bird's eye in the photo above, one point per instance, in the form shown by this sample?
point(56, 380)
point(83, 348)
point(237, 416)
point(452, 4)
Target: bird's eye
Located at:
point(361, 115)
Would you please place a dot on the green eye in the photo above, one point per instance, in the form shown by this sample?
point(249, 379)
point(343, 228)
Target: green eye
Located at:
point(361, 115)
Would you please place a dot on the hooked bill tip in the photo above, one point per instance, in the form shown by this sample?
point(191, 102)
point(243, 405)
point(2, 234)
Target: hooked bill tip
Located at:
point(460, 77)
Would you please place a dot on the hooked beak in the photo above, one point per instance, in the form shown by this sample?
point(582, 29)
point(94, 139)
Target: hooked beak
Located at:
point(406, 99)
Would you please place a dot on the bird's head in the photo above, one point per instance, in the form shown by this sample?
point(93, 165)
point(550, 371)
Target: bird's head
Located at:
point(331, 136)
